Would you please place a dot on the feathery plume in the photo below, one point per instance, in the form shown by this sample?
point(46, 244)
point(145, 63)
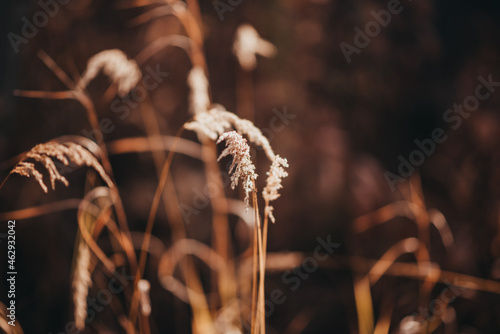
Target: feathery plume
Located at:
point(216, 122)
point(209, 124)
point(28, 169)
point(242, 164)
point(81, 282)
point(114, 63)
point(275, 175)
point(248, 44)
point(67, 153)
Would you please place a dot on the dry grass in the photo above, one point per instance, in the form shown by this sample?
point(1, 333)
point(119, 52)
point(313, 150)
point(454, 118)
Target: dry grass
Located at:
point(68, 153)
point(101, 208)
point(237, 290)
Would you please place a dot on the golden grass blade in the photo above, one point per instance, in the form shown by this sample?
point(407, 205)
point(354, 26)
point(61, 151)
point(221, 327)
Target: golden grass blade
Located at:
point(384, 214)
point(364, 304)
point(262, 272)
point(183, 247)
point(408, 245)
point(383, 324)
point(58, 72)
point(255, 262)
point(161, 143)
point(86, 102)
point(94, 122)
point(439, 221)
point(37, 94)
point(178, 289)
point(41, 210)
point(180, 41)
point(171, 203)
point(412, 270)
point(87, 219)
point(156, 245)
point(201, 309)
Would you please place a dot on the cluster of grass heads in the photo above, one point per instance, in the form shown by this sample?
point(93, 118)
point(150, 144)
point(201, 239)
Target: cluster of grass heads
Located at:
point(235, 302)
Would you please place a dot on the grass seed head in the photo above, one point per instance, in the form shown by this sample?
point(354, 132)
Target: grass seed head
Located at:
point(114, 63)
point(67, 153)
point(242, 164)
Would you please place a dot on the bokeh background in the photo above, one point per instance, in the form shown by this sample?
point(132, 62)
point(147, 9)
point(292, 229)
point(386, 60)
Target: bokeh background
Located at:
point(351, 122)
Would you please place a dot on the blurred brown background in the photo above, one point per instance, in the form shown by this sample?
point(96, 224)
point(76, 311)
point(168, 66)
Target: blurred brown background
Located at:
point(350, 123)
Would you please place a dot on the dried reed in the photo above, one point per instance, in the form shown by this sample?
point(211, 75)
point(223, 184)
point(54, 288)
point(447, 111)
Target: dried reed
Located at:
point(69, 153)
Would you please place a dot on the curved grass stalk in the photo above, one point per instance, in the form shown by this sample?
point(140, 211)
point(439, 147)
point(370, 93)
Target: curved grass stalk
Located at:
point(185, 43)
point(158, 143)
point(79, 95)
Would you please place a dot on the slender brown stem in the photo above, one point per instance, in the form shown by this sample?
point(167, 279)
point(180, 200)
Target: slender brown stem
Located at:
point(171, 205)
point(40, 210)
point(254, 280)
point(149, 227)
point(262, 272)
point(37, 94)
point(83, 98)
point(58, 72)
point(85, 101)
point(159, 143)
point(87, 237)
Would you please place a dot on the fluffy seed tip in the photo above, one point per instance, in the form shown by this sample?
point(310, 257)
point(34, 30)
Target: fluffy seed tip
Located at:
point(67, 153)
point(242, 164)
point(114, 63)
point(215, 122)
point(275, 175)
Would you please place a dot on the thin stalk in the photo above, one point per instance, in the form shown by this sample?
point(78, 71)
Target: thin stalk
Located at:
point(262, 271)
point(83, 98)
point(254, 280)
point(171, 205)
point(149, 227)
